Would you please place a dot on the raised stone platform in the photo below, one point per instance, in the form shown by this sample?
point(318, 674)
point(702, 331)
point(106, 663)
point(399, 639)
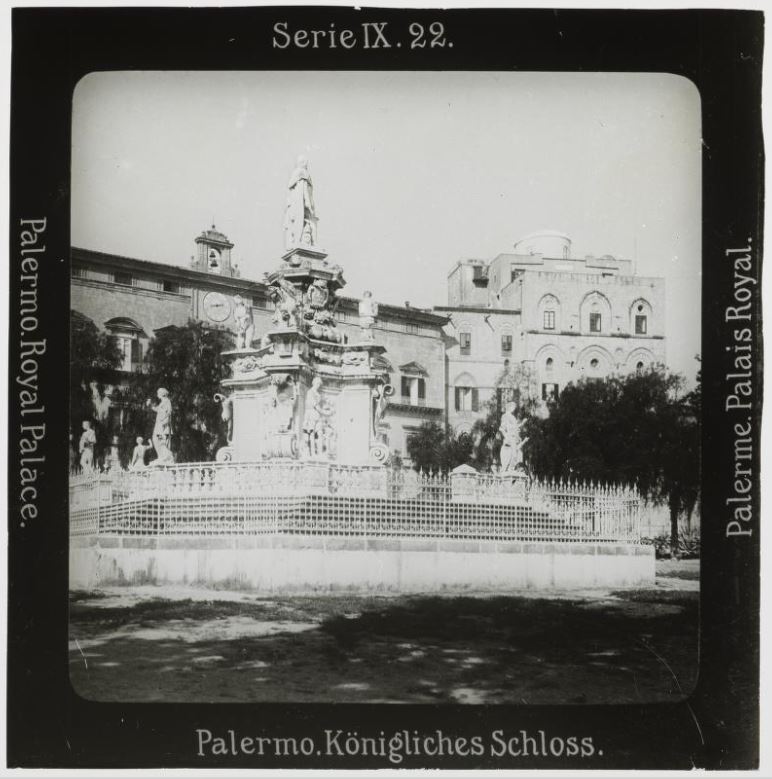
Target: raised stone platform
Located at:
point(316, 563)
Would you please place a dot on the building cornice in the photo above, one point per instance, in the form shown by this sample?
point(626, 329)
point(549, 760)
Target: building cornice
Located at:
point(237, 284)
point(478, 310)
point(409, 408)
point(577, 334)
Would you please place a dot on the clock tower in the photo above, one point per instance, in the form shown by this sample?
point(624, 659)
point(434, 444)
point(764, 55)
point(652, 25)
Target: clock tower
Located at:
point(213, 253)
point(213, 256)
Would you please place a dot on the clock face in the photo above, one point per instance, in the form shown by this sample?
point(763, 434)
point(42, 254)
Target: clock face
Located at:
point(216, 306)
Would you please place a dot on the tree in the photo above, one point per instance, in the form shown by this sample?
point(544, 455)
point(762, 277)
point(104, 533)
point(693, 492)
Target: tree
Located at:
point(434, 448)
point(515, 383)
point(187, 361)
point(638, 429)
point(94, 358)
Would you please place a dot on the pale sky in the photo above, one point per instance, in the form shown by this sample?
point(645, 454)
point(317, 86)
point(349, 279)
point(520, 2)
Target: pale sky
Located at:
point(412, 171)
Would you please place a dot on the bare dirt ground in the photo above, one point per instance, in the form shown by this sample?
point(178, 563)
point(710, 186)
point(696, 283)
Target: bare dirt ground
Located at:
point(172, 643)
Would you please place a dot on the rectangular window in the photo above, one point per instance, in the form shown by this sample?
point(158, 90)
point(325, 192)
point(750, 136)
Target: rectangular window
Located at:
point(549, 320)
point(640, 324)
point(171, 286)
point(515, 274)
point(136, 352)
point(467, 399)
point(409, 436)
point(125, 348)
point(123, 278)
point(413, 390)
point(549, 391)
point(506, 344)
point(594, 323)
point(466, 343)
point(260, 300)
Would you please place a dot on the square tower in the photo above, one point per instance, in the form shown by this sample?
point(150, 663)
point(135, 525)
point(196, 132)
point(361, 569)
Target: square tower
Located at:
point(213, 253)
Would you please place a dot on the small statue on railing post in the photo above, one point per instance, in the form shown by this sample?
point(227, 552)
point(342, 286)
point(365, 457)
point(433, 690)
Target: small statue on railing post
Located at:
point(511, 454)
point(162, 431)
point(138, 454)
point(86, 447)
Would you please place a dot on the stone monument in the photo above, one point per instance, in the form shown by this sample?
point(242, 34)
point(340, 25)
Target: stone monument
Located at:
point(306, 392)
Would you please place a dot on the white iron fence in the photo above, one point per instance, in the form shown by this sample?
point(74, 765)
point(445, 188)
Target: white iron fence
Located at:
point(326, 499)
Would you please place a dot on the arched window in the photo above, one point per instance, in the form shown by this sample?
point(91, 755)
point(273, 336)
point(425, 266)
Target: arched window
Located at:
point(639, 360)
point(595, 314)
point(128, 335)
point(640, 317)
point(595, 362)
point(549, 313)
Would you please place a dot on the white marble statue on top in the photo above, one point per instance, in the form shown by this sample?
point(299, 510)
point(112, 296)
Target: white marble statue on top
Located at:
point(86, 447)
point(300, 213)
point(368, 310)
point(245, 327)
point(511, 454)
point(162, 431)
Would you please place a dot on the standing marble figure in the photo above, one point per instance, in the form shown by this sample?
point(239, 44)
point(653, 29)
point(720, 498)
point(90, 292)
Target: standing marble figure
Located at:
point(162, 432)
point(300, 214)
point(368, 310)
point(245, 327)
point(86, 447)
point(312, 416)
point(511, 455)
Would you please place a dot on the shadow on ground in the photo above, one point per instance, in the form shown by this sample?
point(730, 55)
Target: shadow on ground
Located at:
point(622, 647)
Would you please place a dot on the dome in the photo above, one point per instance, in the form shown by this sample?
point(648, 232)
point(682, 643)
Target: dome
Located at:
point(548, 243)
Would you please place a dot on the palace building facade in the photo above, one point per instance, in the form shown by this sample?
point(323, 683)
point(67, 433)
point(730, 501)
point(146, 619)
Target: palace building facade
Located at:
point(132, 299)
point(557, 316)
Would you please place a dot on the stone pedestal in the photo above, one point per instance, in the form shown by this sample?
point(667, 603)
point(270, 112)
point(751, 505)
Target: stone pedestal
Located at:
point(463, 484)
point(272, 416)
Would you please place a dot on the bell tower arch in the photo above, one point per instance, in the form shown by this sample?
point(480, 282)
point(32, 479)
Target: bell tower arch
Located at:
point(213, 253)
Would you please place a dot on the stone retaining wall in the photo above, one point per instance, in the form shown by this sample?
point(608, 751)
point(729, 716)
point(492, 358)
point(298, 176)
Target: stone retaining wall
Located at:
point(290, 563)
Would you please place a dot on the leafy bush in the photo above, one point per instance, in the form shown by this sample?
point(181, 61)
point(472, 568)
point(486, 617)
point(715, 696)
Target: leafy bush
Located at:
point(688, 545)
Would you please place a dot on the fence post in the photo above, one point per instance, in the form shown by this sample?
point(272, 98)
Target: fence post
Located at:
point(463, 484)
